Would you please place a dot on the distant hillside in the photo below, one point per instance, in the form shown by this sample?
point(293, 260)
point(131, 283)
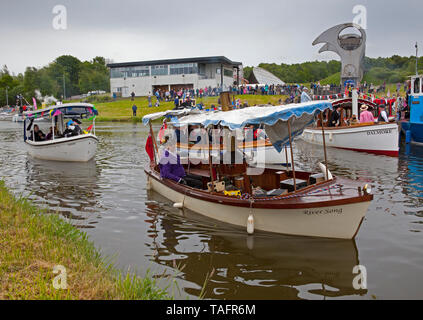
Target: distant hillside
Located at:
point(377, 70)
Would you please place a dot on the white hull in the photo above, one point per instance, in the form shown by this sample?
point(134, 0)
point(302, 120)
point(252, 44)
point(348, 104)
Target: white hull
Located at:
point(80, 148)
point(341, 221)
point(379, 139)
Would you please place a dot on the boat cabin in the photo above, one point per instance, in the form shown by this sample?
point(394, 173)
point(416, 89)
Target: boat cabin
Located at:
point(415, 99)
point(57, 120)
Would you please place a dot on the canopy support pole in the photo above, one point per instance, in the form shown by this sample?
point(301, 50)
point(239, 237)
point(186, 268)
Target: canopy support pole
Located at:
point(287, 161)
point(210, 162)
point(155, 149)
point(292, 155)
point(324, 145)
point(52, 126)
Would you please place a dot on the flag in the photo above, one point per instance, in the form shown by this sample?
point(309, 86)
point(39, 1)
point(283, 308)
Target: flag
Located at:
point(90, 127)
point(57, 113)
point(162, 131)
point(35, 103)
point(92, 118)
point(149, 148)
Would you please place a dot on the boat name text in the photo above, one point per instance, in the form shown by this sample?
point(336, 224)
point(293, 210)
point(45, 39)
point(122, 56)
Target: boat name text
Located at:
point(322, 211)
point(379, 131)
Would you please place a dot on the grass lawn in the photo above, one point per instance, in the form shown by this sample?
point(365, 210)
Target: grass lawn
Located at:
point(33, 242)
point(121, 110)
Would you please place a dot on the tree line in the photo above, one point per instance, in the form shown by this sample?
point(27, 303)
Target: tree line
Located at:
point(66, 76)
point(377, 70)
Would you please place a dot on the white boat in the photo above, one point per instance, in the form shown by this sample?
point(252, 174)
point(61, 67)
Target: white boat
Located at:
point(73, 148)
point(329, 207)
point(377, 138)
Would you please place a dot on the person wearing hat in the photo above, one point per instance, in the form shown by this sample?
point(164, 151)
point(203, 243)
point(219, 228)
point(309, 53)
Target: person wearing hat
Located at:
point(365, 115)
point(72, 129)
point(304, 95)
point(383, 117)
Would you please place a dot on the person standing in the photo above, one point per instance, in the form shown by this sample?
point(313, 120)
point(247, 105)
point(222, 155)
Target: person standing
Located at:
point(149, 100)
point(132, 96)
point(365, 115)
point(134, 110)
point(335, 118)
point(304, 95)
point(383, 117)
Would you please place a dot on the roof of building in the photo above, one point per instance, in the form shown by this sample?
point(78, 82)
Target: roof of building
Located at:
point(215, 59)
point(261, 76)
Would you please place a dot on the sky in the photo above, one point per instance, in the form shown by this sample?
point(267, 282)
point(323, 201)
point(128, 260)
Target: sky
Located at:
point(277, 31)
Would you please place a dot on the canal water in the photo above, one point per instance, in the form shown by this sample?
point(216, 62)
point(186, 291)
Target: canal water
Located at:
point(140, 230)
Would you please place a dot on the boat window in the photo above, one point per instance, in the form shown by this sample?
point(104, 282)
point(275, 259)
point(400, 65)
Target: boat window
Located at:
point(417, 85)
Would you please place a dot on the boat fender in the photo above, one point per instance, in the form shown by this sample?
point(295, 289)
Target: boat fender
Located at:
point(148, 184)
point(323, 169)
point(312, 136)
point(250, 224)
point(178, 205)
point(330, 136)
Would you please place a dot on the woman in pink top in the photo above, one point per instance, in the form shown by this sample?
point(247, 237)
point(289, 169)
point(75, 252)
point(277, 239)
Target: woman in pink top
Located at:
point(365, 116)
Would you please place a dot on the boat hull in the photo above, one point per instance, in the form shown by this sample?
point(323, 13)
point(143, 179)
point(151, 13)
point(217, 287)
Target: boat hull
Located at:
point(80, 148)
point(378, 139)
point(340, 221)
point(416, 130)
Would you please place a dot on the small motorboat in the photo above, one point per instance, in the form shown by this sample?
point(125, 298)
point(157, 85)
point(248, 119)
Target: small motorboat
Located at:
point(65, 144)
point(285, 200)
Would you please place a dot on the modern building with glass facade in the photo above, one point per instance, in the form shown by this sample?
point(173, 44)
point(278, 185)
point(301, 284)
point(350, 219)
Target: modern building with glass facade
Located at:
point(144, 77)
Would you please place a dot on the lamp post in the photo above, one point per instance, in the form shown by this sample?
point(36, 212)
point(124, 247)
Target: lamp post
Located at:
point(64, 88)
point(417, 48)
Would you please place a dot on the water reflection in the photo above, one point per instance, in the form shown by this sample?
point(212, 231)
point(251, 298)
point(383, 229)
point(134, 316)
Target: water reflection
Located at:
point(251, 267)
point(108, 197)
point(70, 189)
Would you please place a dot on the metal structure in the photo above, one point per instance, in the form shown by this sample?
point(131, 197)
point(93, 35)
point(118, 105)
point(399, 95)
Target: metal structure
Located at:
point(262, 76)
point(350, 47)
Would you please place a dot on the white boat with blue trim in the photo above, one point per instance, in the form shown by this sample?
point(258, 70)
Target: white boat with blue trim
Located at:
point(66, 142)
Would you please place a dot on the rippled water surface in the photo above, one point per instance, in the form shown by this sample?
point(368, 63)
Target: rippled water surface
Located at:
point(141, 230)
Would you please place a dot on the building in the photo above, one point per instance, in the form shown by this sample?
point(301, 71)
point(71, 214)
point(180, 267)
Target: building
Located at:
point(145, 77)
point(261, 76)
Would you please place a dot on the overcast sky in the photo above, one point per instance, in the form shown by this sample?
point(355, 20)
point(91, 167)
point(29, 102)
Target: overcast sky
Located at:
point(248, 31)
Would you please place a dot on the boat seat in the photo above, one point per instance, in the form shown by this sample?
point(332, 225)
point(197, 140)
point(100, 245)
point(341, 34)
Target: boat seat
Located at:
point(289, 184)
point(316, 178)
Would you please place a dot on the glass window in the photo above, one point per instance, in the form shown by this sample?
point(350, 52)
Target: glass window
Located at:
point(228, 73)
point(183, 68)
point(417, 85)
point(159, 70)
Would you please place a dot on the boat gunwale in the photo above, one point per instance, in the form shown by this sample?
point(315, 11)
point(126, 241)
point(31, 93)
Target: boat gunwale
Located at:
point(60, 140)
point(284, 203)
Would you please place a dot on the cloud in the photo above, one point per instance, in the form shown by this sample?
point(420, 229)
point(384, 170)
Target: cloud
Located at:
point(246, 31)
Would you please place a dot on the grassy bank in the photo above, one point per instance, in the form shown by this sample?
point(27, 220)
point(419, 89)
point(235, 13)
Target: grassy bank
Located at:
point(33, 242)
point(121, 110)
